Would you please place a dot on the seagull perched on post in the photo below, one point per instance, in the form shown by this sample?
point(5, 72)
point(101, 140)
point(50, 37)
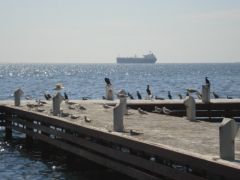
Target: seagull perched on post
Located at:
point(207, 81)
point(139, 95)
point(107, 80)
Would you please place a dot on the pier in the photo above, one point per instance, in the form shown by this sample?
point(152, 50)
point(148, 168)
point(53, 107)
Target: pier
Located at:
point(151, 146)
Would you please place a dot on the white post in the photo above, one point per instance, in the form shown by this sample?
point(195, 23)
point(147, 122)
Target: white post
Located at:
point(57, 99)
point(109, 92)
point(17, 97)
point(227, 132)
point(205, 93)
point(118, 118)
point(190, 108)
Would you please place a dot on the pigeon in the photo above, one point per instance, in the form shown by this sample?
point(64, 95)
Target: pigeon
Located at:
point(139, 95)
point(64, 114)
point(215, 95)
point(141, 111)
point(207, 81)
point(169, 95)
point(130, 96)
point(166, 111)
point(107, 80)
point(87, 119)
point(158, 110)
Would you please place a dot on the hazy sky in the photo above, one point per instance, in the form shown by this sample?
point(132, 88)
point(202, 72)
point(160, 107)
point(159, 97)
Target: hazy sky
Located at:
point(97, 31)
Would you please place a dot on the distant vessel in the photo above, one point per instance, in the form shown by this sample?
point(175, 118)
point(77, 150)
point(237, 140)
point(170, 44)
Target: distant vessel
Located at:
point(148, 58)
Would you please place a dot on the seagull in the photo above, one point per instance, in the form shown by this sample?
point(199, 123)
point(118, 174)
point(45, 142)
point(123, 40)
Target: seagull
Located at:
point(142, 111)
point(107, 80)
point(199, 95)
point(215, 95)
point(74, 116)
point(71, 107)
point(134, 132)
point(166, 111)
point(191, 90)
point(180, 96)
point(207, 81)
point(65, 96)
point(139, 95)
point(28, 97)
point(129, 95)
point(106, 106)
point(87, 119)
point(169, 95)
point(158, 110)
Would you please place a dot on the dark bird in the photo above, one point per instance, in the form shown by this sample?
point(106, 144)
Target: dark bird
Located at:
point(180, 96)
point(103, 97)
point(148, 90)
point(47, 96)
point(207, 81)
point(215, 95)
point(169, 95)
point(85, 98)
point(187, 93)
point(130, 96)
point(65, 96)
point(229, 97)
point(107, 80)
point(159, 98)
point(139, 95)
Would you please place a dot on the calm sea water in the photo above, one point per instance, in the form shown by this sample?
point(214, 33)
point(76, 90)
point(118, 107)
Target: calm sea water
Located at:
point(17, 161)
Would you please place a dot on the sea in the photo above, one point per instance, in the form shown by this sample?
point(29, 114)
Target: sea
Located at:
point(19, 160)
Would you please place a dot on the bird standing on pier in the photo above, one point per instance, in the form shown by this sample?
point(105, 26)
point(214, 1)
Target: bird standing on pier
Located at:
point(166, 111)
point(158, 110)
point(47, 96)
point(130, 96)
point(169, 95)
point(87, 119)
point(215, 95)
point(149, 93)
point(207, 81)
point(66, 96)
point(108, 82)
point(180, 96)
point(139, 95)
point(141, 111)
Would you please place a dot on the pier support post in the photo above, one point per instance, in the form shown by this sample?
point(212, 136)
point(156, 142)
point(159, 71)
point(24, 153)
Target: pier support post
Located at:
point(57, 99)
point(8, 126)
point(227, 132)
point(190, 108)
point(205, 93)
point(118, 118)
point(17, 97)
point(109, 92)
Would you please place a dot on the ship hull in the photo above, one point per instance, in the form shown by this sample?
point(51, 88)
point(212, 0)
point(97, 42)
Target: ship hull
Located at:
point(135, 60)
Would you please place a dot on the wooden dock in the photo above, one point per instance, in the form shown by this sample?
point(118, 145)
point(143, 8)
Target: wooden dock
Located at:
point(166, 146)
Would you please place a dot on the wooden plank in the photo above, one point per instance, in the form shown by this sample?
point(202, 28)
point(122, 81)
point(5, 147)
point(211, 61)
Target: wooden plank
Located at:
point(121, 156)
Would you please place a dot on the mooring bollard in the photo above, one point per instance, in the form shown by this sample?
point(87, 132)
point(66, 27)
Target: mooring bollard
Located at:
point(227, 132)
point(17, 97)
point(205, 93)
point(57, 99)
point(109, 92)
point(118, 118)
point(190, 108)
point(122, 95)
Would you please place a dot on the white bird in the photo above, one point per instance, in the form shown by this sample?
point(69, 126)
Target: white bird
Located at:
point(74, 116)
point(142, 111)
point(158, 110)
point(87, 119)
point(134, 132)
point(106, 106)
point(166, 111)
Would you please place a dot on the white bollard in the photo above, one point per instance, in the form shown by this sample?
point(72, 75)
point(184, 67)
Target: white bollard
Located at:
point(205, 93)
point(57, 99)
point(227, 132)
point(17, 97)
point(109, 92)
point(122, 95)
point(190, 104)
point(118, 118)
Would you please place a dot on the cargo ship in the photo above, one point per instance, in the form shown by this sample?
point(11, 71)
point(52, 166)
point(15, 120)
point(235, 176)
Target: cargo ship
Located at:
point(148, 58)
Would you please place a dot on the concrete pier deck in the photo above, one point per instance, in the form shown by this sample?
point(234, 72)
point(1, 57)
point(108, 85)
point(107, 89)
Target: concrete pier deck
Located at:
point(197, 138)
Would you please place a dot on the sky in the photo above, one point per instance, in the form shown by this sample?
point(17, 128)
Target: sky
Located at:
point(97, 31)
